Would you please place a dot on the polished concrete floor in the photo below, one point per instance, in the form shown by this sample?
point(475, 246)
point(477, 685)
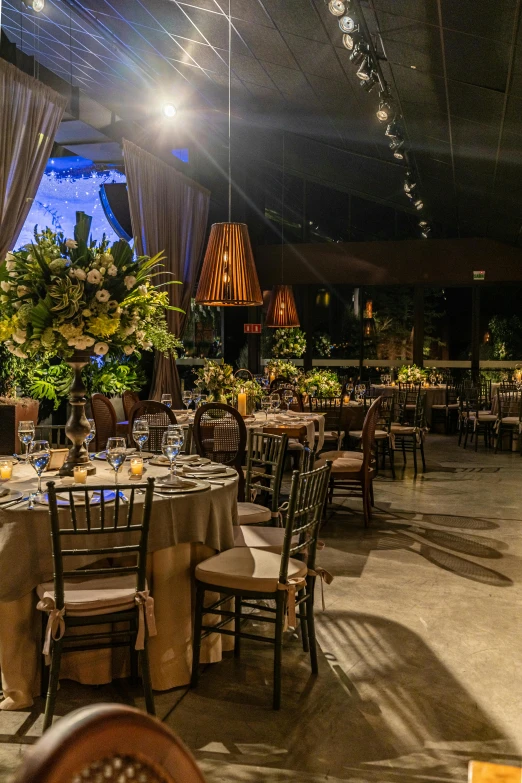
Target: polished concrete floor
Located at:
point(420, 653)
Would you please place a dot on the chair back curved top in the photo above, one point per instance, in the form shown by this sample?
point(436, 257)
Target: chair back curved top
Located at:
point(220, 435)
point(368, 432)
point(100, 739)
point(129, 400)
point(280, 385)
point(264, 466)
point(158, 417)
point(104, 417)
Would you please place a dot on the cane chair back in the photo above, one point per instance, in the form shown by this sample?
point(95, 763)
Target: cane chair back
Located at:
point(158, 417)
point(108, 742)
point(129, 400)
point(409, 386)
point(508, 386)
point(331, 408)
point(469, 401)
point(104, 417)
point(407, 413)
point(265, 464)
point(452, 395)
point(485, 394)
point(509, 404)
point(108, 524)
point(220, 435)
point(386, 412)
point(303, 518)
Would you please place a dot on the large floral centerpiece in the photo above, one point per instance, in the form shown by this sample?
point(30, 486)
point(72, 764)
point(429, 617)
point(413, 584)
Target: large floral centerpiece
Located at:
point(280, 368)
point(410, 373)
point(217, 379)
point(65, 295)
point(288, 342)
point(320, 383)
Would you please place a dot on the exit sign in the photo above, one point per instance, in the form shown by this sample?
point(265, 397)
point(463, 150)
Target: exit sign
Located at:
point(479, 275)
point(252, 328)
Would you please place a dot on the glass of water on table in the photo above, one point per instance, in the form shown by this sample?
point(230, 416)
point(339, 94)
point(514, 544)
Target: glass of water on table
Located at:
point(171, 444)
point(39, 457)
point(140, 433)
point(26, 435)
point(116, 454)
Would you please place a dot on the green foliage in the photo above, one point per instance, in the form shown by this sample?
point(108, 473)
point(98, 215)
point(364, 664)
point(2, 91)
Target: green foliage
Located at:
point(113, 377)
point(506, 337)
point(320, 383)
point(288, 343)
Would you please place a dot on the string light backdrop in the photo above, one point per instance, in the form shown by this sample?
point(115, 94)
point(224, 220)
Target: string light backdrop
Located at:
point(70, 185)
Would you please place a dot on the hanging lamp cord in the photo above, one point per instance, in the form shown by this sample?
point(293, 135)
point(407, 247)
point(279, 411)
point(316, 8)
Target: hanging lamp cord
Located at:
point(229, 112)
point(283, 215)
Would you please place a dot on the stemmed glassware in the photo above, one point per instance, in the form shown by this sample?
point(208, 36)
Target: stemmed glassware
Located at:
point(91, 435)
point(266, 404)
point(166, 399)
point(39, 457)
point(187, 398)
point(288, 397)
point(26, 435)
point(140, 432)
point(171, 445)
point(116, 454)
point(275, 401)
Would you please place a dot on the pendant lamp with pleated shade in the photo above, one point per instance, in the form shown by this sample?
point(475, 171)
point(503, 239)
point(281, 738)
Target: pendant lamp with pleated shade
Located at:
point(228, 276)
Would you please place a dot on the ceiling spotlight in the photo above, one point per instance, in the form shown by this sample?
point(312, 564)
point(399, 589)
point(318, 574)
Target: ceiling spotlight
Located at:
point(169, 110)
point(347, 24)
point(359, 50)
point(392, 131)
point(348, 41)
point(336, 7)
point(397, 147)
point(425, 228)
point(369, 84)
point(36, 5)
point(409, 184)
point(419, 204)
point(385, 111)
point(364, 72)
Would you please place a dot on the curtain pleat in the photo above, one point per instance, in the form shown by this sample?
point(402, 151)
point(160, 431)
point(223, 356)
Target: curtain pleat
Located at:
point(169, 214)
point(30, 113)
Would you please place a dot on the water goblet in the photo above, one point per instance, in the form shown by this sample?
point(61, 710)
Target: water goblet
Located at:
point(39, 457)
point(178, 430)
point(90, 436)
point(140, 432)
point(266, 404)
point(116, 454)
point(26, 435)
point(187, 398)
point(166, 399)
point(275, 402)
point(170, 446)
point(288, 397)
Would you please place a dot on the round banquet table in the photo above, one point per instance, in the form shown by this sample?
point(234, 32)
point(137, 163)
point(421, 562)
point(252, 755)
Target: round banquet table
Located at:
point(184, 530)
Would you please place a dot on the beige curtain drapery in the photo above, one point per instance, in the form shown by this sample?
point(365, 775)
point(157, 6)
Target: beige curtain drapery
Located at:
point(30, 113)
point(169, 213)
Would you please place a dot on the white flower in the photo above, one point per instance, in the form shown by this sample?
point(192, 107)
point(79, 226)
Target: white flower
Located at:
point(18, 352)
point(20, 336)
point(140, 335)
point(88, 340)
point(112, 270)
point(100, 349)
point(113, 304)
point(5, 286)
point(142, 289)
point(10, 262)
point(128, 330)
point(94, 277)
point(81, 343)
point(13, 274)
point(30, 257)
point(17, 305)
point(71, 243)
point(108, 257)
point(129, 349)
point(22, 290)
point(147, 345)
point(103, 295)
point(10, 257)
point(130, 282)
point(4, 298)
point(86, 313)
point(80, 274)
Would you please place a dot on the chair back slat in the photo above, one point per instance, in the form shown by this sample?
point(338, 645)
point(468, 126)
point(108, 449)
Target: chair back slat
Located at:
point(104, 417)
point(331, 408)
point(509, 403)
point(158, 417)
point(280, 385)
point(368, 433)
point(265, 464)
point(66, 522)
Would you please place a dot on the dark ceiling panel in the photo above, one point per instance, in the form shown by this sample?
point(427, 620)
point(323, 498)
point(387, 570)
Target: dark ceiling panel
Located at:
point(315, 57)
point(475, 103)
point(408, 42)
point(491, 20)
point(479, 61)
point(422, 10)
point(294, 16)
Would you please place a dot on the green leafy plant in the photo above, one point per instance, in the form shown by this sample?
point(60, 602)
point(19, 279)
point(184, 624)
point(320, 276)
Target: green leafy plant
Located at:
point(320, 383)
point(217, 379)
point(288, 342)
point(280, 368)
point(411, 374)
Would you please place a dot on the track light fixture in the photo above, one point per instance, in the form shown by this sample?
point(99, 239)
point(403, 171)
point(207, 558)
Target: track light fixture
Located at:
point(348, 24)
point(425, 228)
point(397, 147)
point(35, 5)
point(359, 51)
point(385, 111)
point(369, 84)
point(418, 204)
point(336, 7)
point(392, 131)
point(364, 72)
point(409, 184)
point(350, 41)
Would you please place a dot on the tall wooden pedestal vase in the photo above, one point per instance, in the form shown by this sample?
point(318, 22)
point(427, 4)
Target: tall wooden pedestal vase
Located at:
point(77, 427)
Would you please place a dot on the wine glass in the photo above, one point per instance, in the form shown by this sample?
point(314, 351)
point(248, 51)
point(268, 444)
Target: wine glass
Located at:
point(26, 435)
point(91, 435)
point(187, 398)
point(266, 404)
point(288, 397)
point(39, 457)
point(140, 432)
point(171, 445)
point(166, 399)
point(275, 402)
point(116, 454)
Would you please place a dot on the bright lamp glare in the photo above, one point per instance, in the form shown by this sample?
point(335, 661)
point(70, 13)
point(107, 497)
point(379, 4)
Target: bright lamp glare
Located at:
point(169, 110)
point(38, 5)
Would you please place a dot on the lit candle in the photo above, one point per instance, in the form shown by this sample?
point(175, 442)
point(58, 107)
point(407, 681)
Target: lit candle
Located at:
point(136, 466)
point(80, 474)
point(242, 403)
point(426, 384)
point(271, 377)
point(6, 470)
point(346, 400)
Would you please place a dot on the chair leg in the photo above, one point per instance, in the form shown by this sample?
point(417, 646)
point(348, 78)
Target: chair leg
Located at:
point(477, 436)
point(372, 499)
point(196, 642)
point(54, 676)
point(44, 673)
point(392, 461)
point(499, 438)
point(278, 647)
point(237, 626)
point(134, 664)
point(311, 625)
point(403, 451)
point(303, 621)
point(147, 682)
point(421, 446)
point(414, 444)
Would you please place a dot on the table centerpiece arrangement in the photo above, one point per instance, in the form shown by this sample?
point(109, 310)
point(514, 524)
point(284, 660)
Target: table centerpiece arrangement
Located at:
point(411, 373)
point(75, 298)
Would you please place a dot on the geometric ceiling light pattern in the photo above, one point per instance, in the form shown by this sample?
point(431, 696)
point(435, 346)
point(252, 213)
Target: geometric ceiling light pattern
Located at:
point(356, 38)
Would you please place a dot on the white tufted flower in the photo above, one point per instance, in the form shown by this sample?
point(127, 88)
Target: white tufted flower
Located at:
point(94, 277)
point(100, 349)
point(129, 349)
point(72, 244)
point(112, 270)
point(5, 286)
point(130, 282)
point(103, 295)
point(20, 336)
point(22, 290)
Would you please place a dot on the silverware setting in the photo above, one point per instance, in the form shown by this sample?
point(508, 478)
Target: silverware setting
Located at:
point(15, 502)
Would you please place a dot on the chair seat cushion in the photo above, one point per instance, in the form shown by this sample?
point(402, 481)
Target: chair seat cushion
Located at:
point(245, 568)
point(269, 538)
point(92, 596)
point(330, 435)
point(333, 455)
point(253, 513)
point(403, 429)
point(343, 462)
point(379, 434)
point(510, 420)
point(487, 416)
point(442, 407)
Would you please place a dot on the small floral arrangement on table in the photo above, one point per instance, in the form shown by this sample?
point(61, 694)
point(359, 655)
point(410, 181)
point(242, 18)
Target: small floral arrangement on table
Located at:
point(410, 373)
point(280, 368)
point(217, 379)
point(251, 388)
point(289, 342)
point(320, 383)
point(62, 295)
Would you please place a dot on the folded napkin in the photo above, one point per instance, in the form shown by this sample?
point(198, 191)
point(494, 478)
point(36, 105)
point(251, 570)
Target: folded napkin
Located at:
point(188, 459)
point(205, 469)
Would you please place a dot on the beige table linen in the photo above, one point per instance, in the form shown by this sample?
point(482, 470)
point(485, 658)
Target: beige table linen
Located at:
point(184, 530)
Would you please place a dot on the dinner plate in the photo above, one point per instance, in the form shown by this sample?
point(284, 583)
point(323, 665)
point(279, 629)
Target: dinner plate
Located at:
point(189, 486)
point(79, 500)
point(9, 496)
point(227, 473)
point(130, 453)
point(162, 462)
